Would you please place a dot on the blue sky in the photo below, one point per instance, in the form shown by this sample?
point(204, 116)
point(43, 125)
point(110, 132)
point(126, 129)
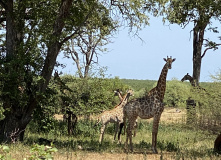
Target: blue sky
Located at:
point(131, 58)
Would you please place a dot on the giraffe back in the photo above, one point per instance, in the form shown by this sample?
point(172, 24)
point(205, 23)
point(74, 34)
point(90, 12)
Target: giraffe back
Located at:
point(145, 107)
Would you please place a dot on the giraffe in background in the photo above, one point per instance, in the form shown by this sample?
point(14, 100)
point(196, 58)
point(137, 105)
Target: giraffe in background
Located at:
point(114, 116)
point(188, 77)
point(192, 81)
point(150, 106)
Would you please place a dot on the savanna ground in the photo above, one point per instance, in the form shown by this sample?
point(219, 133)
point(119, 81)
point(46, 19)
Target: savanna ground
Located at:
point(176, 140)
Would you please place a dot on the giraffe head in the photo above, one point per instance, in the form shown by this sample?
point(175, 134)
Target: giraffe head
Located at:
point(130, 92)
point(186, 77)
point(117, 92)
point(169, 62)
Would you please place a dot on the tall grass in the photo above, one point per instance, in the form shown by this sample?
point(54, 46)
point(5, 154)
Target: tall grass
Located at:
point(180, 141)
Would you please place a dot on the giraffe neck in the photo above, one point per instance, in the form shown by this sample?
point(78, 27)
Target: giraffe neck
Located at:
point(191, 81)
point(123, 101)
point(161, 84)
point(120, 96)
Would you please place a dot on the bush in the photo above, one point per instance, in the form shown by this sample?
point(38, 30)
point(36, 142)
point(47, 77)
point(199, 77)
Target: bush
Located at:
point(41, 152)
point(176, 93)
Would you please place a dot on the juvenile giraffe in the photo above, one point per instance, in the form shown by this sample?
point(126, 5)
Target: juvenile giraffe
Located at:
point(150, 106)
point(114, 116)
point(118, 93)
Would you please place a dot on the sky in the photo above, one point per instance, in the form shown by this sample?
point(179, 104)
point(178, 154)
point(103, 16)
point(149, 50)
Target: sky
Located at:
point(131, 58)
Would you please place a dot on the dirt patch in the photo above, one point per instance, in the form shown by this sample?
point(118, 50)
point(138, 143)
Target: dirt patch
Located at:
point(173, 115)
point(59, 117)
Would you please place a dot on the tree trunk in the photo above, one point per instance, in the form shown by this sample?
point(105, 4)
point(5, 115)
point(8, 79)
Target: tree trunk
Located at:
point(10, 31)
point(198, 37)
point(55, 46)
point(15, 122)
point(13, 128)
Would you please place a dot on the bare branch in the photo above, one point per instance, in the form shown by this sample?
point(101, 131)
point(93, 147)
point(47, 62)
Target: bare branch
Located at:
point(208, 49)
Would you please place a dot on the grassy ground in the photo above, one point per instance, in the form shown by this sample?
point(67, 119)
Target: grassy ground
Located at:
point(176, 140)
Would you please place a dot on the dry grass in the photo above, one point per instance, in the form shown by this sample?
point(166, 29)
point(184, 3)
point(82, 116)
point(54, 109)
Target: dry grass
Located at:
point(172, 115)
point(111, 156)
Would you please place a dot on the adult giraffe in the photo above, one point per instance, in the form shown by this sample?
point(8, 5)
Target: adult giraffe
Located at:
point(150, 106)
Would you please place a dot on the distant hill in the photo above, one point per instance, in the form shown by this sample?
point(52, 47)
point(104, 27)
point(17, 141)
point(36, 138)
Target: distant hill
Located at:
point(139, 84)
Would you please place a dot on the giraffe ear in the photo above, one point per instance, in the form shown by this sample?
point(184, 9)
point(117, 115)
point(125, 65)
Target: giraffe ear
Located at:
point(165, 59)
point(174, 59)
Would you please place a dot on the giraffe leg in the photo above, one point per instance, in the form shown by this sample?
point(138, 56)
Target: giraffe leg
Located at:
point(116, 130)
point(154, 133)
point(102, 133)
point(124, 121)
point(129, 132)
point(135, 128)
point(119, 137)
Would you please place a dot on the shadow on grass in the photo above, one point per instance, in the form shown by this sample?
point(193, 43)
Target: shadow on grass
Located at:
point(76, 144)
point(144, 147)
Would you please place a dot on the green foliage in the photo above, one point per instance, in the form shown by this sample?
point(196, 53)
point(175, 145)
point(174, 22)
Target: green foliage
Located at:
point(183, 12)
point(43, 114)
point(41, 152)
point(84, 97)
point(4, 150)
point(93, 95)
point(176, 93)
point(138, 85)
point(133, 12)
point(209, 104)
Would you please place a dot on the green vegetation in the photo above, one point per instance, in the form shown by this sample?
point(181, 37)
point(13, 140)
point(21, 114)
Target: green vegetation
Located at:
point(138, 85)
point(176, 140)
point(35, 32)
point(179, 141)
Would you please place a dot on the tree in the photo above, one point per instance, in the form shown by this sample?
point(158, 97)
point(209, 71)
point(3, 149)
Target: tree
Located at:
point(93, 36)
point(201, 13)
point(33, 41)
point(34, 33)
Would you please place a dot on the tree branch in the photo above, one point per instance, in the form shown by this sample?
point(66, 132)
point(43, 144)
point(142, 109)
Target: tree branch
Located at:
point(208, 49)
point(79, 27)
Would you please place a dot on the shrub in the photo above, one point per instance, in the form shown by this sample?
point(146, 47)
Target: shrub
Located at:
point(176, 93)
point(41, 152)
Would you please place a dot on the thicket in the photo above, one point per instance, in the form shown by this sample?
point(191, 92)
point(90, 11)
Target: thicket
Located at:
point(91, 96)
point(82, 97)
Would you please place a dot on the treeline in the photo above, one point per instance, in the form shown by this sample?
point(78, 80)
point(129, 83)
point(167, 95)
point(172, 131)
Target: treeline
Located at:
point(139, 84)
